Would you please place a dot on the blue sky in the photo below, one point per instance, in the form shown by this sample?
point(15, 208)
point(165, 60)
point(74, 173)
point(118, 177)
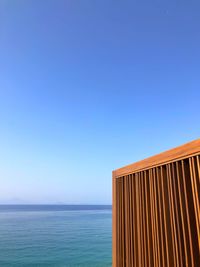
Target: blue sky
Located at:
point(89, 86)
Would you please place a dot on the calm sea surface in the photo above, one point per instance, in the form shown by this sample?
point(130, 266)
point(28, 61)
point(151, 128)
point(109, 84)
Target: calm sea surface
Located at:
point(44, 236)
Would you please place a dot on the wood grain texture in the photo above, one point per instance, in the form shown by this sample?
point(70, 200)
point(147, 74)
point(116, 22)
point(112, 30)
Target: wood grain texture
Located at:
point(156, 210)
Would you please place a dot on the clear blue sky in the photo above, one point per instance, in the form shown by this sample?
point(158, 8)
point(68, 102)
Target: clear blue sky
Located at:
point(90, 86)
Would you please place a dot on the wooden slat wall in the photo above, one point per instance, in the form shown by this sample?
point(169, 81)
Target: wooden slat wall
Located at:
point(156, 215)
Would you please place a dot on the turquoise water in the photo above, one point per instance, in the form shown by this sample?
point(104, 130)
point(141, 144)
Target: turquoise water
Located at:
point(44, 236)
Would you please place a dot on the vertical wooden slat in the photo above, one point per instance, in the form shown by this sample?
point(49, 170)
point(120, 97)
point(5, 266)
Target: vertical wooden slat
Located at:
point(144, 220)
point(169, 210)
point(132, 249)
point(135, 223)
point(187, 213)
point(141, 219)
point(138, 219)
point(195, 194)
point(165, 220)
point(114, 222)
point(127, 220)
point(153, 218)
point(119, 223)
point(172, 216)
point(183, 211)
point(161, 219)
point(198, 191)
point(147, 220)
point(123, 227)
point(198, 166)
point(177, 217)
point(156, 216)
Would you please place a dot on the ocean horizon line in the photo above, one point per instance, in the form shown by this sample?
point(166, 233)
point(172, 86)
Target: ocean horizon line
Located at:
point(53, 207)
point(49, 204)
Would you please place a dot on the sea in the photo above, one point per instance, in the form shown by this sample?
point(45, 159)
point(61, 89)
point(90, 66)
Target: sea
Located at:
point(55, 236)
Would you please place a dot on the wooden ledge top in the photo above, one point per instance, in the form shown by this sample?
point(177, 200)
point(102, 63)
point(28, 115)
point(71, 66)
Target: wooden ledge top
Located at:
point(171, 155)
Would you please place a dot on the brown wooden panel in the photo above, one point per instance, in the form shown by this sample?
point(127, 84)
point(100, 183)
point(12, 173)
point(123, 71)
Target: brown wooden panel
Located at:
point(156, 210)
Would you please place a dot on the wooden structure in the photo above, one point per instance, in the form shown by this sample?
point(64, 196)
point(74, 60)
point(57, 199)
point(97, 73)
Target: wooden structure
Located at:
point(156, 210)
